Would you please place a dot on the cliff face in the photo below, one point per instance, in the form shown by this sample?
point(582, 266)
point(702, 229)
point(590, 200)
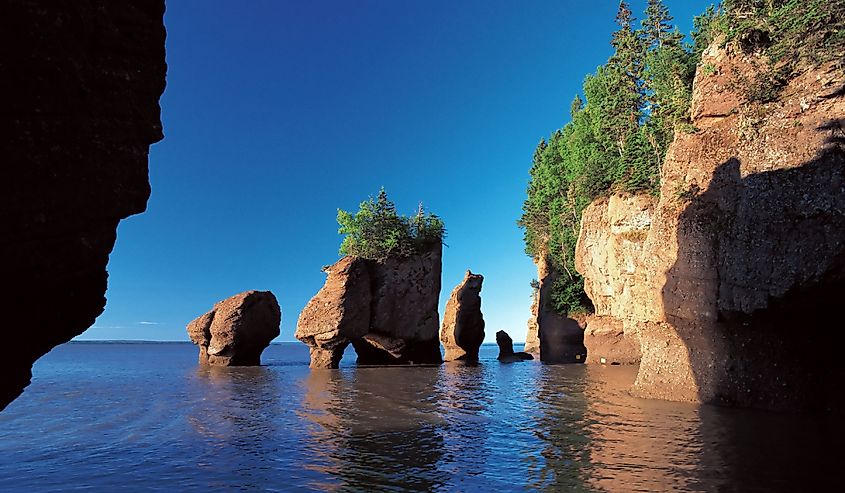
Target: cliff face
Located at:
point(731, 285)
point(81, 82)
point(555, 338)
point(609, 250)
point(387, 310)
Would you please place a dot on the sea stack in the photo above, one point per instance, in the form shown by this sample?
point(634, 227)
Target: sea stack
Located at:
point(386, 309)
point(237, 330)
point(463, 324)
point(506, 354)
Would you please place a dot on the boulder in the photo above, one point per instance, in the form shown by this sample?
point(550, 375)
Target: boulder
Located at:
point(386, 310)
point(506, 354)
point(236, 331)
point(82, 82)
point(463, 324)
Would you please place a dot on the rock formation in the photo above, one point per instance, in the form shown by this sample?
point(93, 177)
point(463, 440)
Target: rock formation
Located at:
point(532, 335)
point(556, 338)
point(237, 330)
point(463, 324)
point(728, 282)
point(610, 247)
point(506, 354)
point(387, 310)
point(82, 82)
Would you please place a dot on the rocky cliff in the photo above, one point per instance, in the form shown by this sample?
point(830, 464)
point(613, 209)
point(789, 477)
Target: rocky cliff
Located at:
point(555, 338)
point(81, 83)
point(386, 310)
point(729, 280)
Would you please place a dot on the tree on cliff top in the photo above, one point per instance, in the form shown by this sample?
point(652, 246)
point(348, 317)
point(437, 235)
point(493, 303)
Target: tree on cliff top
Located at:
point(378, 232)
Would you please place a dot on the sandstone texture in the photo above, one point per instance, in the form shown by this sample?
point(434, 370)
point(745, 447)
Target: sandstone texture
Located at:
point(532, 335)
point(506, 353)
point(728, 281)
point(462, 332)
point(557, 339)
point(82, 82)
point(386, 310)
point(237, 330)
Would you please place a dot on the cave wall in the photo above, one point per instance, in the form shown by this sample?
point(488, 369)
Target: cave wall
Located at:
point(80, 87)
point(732, 294)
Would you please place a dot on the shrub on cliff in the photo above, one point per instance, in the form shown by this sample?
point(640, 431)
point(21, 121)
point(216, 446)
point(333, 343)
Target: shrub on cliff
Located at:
point(793, 34)
point(378, 232)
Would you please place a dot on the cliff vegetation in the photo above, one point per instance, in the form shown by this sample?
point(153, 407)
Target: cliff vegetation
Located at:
point(634, 104)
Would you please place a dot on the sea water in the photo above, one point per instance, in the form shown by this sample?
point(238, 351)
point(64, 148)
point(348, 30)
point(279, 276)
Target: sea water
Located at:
point(117, 417)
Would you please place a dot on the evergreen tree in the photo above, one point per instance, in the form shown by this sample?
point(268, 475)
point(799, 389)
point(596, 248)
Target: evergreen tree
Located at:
point(657, 27)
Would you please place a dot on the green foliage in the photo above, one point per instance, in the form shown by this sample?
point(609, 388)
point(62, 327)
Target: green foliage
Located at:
point(792, 34)
point(615, 140)
point(378, 232)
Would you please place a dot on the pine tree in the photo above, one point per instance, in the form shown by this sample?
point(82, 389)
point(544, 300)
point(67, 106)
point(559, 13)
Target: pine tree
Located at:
point(657, 28)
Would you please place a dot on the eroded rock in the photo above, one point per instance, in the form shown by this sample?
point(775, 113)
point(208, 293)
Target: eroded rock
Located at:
point(462, 332)
point(557, 339)
point(744, 258)
point(82, 81)
point(237, 330)
point(506, 353)
point(386, 310)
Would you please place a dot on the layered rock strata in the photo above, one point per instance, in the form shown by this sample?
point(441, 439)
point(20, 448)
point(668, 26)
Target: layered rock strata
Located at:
point(462, 332)
point(82, 81)
point(731, 287)
point(386, 310)
point(237, 330)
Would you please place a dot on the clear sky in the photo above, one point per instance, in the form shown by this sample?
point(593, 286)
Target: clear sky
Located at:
point(277, 113)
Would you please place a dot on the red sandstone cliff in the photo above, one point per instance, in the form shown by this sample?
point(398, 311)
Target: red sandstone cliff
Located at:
point(81, 83)
point(731, 280)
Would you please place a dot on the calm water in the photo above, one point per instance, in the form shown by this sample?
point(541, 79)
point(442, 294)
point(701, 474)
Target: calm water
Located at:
point(144, 417)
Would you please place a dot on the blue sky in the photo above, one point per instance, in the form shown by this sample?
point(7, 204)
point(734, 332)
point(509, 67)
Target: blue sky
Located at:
point(277, 113)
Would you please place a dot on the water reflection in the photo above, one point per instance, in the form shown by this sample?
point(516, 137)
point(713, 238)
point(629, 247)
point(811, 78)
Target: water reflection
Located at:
point(563, 455)
point(236, 416)
point(374, 428)
point(647, 445)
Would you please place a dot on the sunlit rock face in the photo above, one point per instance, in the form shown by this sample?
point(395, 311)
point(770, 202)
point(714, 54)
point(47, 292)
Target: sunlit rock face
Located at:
point(462, 332)
point(729, 285)
point(386, 310)
point(82, 82)
point(237, 330)
point(609, 250)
